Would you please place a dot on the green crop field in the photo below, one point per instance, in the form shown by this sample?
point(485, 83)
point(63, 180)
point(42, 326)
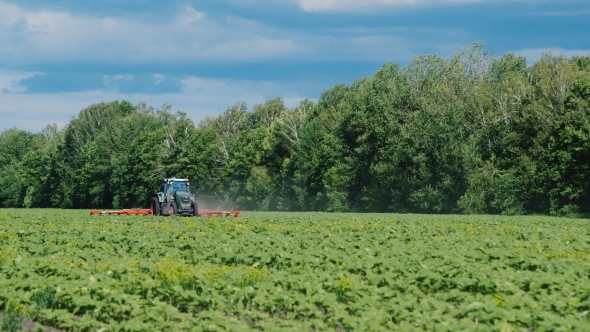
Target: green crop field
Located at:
point(293, 271)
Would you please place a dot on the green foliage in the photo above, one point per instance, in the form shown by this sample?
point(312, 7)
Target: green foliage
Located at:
point(13, 316)
point(509, 64)
point(583, 62)
point(44, 298)
point(287, 271)
point(14, 145)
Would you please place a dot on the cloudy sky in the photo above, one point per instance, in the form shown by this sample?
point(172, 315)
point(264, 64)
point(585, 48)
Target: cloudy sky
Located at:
point(203, 56)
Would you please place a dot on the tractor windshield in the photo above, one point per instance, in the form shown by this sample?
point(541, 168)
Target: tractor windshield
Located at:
point(179, 186)
point(175, 186)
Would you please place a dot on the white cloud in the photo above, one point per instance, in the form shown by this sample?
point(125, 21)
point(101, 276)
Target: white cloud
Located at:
point(199, 98)
point(108, 80)
point(353, 5)
point(33, 37)
point(158, 79)
point(10, 81)
point(373, 5)
point(50, 36)
point(533, 55)
point(122, 77)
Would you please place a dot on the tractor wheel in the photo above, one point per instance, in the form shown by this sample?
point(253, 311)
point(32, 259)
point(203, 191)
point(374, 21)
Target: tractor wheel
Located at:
point(194, 210)
point(166, 209)
point(155, 206)
point(172, 209)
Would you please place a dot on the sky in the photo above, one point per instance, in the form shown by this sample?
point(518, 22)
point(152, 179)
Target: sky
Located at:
point(201, 57)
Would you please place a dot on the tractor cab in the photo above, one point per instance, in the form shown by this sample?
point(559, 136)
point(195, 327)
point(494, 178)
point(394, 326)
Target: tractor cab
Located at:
point(176, 185)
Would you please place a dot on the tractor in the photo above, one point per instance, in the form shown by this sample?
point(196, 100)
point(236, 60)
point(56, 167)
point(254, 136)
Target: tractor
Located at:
point(176, 198)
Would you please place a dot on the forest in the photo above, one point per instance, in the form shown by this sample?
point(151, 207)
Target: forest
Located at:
point(472, 134)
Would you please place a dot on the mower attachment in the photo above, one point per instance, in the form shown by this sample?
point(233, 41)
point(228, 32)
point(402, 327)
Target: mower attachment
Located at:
point(134, 211)
point(148, 212)
point(219, 213)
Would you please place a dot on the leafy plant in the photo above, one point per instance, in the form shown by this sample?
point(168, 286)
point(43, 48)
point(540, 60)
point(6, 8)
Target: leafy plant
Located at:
point(293, 271)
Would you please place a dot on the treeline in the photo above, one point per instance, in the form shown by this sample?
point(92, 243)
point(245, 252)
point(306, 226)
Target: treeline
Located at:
point(469, 134)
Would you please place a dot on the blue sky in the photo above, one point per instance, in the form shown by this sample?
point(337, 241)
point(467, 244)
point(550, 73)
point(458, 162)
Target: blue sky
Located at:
point(204, 56)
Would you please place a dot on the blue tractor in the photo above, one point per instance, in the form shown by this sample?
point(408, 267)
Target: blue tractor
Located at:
point(176, 198)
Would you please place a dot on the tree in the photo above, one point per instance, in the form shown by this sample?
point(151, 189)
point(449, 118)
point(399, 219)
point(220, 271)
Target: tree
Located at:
point(14, 144)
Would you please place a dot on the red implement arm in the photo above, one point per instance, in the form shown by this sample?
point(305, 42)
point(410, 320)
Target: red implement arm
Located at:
point(134, 211)
point(218, 213)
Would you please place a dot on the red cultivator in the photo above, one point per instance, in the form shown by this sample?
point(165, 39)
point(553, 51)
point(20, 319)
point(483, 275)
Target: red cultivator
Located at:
point(148, 212)
point(135, 211)
point(177, 198)
point(219, 213)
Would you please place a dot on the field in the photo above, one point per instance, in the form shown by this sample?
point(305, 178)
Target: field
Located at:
point(293, 271)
